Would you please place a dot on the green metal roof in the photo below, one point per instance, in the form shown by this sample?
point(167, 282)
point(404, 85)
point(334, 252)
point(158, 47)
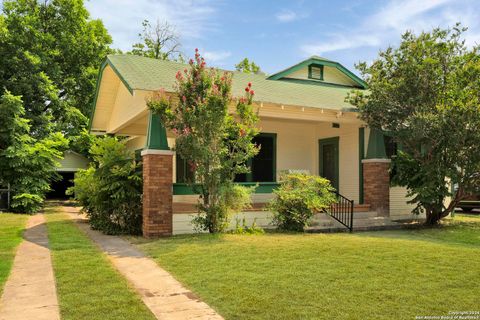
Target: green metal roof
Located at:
point(140, 73)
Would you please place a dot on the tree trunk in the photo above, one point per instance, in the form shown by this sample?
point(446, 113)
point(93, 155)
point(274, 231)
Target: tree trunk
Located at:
point(432, 217)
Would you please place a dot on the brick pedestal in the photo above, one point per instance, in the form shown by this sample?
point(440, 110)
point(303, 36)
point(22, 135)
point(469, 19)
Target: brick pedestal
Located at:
point(376, 185)
point(157, 193)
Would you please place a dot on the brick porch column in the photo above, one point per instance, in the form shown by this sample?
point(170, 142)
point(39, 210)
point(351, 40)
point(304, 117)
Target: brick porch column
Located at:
point(376, 185)
point(157, 193)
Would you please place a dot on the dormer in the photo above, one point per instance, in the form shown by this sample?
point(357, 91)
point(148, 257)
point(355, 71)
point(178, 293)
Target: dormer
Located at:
point(318, 70)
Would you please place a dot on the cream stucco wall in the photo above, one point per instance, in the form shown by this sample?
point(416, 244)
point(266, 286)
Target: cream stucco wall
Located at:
point(297, 148)
point(295, 144)
point(348, 156)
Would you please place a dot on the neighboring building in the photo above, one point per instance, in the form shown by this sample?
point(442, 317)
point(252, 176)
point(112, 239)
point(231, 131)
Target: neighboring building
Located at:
point(71, 163)
point(305, 125)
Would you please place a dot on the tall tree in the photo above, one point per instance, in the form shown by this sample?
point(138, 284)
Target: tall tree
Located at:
point(247, 66)
point(159, 41)
point(425, 94)
point(51, 52)
point(216, 144)
point(27, 164)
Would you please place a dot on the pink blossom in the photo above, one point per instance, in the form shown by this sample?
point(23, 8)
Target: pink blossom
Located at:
point(247, 89)
point(252, 92)
point(184, 99)
point(249, 84)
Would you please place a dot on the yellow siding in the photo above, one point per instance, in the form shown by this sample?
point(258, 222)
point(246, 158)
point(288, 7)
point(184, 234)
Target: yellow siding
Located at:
point(330, 75)
point(136, 143)
point(106, 99)
point(399, 208)
point(128, 108)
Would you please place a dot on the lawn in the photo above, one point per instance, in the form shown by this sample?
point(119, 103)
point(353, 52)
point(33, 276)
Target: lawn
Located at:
point(378, 275)
point(11, 228)
point(88, 286)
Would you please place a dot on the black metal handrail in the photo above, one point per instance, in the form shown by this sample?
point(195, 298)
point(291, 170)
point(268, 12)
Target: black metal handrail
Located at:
point(342, 211)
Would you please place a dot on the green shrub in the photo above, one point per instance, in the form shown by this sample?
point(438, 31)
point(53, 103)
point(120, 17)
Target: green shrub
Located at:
point(241, 227)
point(110, 191)
point(298, 198)
point(232, 198)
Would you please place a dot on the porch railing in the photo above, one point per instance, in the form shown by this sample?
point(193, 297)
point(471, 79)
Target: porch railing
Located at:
point(342, 211)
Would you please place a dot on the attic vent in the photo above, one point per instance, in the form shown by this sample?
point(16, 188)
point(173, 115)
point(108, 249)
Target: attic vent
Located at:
point(315, 71)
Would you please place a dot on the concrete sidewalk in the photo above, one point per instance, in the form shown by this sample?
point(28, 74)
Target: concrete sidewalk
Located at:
point(30, 291)
point(163, 295)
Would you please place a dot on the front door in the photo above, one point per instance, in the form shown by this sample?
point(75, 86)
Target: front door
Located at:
point(328, 160)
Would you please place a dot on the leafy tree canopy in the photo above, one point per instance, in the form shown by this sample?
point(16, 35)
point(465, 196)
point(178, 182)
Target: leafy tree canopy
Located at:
point(51, 52)
point(425, 94)
point(247, 66)
point(27, 164)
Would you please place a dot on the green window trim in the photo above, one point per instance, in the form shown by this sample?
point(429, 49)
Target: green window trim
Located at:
point(183, 175)
point(189, 189)
point(361, 156)
point(311, 73)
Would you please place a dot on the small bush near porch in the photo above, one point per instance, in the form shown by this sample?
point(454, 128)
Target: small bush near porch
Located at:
point(381, 275)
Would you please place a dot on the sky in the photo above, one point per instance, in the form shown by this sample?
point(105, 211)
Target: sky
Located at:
point(277, 34)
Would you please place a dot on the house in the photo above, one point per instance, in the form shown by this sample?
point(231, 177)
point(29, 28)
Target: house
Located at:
point(69, 164)
point(305, 125)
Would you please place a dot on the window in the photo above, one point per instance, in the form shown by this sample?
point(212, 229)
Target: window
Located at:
point(263, 165)
point(183, 171)
point(391, 146)
point(315, 71)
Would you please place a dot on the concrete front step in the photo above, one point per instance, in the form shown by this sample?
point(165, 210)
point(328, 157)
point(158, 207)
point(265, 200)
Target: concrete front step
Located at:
point(314, 229)
point(362, 221)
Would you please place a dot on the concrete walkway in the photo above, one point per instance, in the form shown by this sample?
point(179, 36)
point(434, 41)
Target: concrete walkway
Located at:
point(163, 295)
point(30, 291)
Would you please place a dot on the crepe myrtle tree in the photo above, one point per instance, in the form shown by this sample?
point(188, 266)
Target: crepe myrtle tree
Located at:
point(426, 95)
point(215, 142)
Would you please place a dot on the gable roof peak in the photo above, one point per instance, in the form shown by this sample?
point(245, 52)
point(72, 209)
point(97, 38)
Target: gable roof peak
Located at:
point(326, 62)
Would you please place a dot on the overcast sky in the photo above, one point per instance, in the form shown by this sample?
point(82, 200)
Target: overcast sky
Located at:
point(277, 34)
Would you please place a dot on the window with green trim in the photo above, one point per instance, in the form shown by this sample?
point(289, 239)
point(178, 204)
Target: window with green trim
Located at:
point(315, 71)
point(184, 172)
point(263, 166)
point(391, 147)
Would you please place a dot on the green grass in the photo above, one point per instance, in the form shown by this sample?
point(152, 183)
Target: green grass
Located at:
point(87, 284)
point(11, 227)
point(379, 275)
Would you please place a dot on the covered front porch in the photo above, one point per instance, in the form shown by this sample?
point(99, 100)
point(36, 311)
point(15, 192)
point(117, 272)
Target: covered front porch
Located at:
point(316, 141)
